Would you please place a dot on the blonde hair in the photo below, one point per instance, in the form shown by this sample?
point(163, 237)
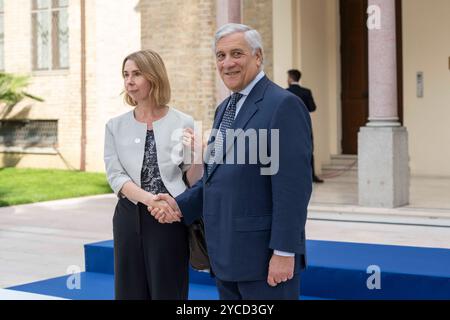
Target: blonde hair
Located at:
point(152, 67)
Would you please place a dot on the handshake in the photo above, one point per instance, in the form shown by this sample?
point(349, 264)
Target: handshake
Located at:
point(164, 208)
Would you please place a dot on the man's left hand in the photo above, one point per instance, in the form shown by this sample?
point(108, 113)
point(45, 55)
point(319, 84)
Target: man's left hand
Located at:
point(281, 269)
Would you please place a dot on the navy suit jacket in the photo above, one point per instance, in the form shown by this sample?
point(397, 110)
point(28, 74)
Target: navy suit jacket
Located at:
point(248, 215)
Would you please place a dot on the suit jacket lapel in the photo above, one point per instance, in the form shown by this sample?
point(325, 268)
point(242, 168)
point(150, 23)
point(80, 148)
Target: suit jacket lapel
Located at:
point(247, 111)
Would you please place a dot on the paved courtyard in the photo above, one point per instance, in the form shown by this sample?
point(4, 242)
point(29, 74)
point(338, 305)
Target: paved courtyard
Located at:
point(40, 241)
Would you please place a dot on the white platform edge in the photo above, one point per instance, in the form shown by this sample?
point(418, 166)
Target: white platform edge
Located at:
point(6, 294)
point(350, 213)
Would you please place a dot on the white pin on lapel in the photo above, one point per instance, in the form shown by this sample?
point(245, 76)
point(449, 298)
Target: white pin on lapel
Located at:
point(137, 140)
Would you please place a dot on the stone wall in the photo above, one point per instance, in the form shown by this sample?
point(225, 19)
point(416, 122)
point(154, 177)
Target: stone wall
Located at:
point(258, 15)
point(182, 31)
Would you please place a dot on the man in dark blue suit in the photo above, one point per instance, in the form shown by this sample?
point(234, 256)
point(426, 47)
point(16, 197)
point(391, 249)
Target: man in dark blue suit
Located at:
point(254, 210)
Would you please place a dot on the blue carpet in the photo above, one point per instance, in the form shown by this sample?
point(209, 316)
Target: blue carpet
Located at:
point(336, 270)
point(339, 270)
point(99, 257)
point(94, 286)
point(100, 286)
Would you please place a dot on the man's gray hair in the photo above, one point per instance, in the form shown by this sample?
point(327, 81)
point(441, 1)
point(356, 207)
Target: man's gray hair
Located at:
point(251, 35)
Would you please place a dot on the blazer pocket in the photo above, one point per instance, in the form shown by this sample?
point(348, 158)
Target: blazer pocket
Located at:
point(254, 223)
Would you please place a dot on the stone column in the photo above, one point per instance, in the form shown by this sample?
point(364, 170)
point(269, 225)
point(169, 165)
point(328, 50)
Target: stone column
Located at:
point(383, 161)
point(383, 68)
point(226, 11)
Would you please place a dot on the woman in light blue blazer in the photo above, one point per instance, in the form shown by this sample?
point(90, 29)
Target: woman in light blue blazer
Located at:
point(149, 150)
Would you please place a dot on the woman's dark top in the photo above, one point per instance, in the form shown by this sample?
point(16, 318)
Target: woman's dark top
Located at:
point(150, 175)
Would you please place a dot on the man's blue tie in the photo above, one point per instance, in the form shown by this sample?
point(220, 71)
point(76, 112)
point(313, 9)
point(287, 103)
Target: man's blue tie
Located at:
point(227, 121)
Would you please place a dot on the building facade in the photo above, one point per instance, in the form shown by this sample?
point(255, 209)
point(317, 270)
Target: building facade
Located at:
point(73, 51)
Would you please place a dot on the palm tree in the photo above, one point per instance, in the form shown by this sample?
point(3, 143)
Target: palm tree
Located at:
point(12, 89)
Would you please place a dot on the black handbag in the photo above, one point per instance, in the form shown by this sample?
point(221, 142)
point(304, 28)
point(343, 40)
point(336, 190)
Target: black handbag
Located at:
point(198, 254)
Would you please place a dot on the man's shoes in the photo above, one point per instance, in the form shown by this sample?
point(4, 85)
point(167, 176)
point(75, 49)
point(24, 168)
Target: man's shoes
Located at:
point(317, 180)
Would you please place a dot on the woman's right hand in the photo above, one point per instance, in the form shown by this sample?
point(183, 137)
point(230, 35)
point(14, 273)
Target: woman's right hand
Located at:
point(161, 210)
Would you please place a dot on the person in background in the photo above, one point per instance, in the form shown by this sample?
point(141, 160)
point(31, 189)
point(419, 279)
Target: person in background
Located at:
point(305, 94)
